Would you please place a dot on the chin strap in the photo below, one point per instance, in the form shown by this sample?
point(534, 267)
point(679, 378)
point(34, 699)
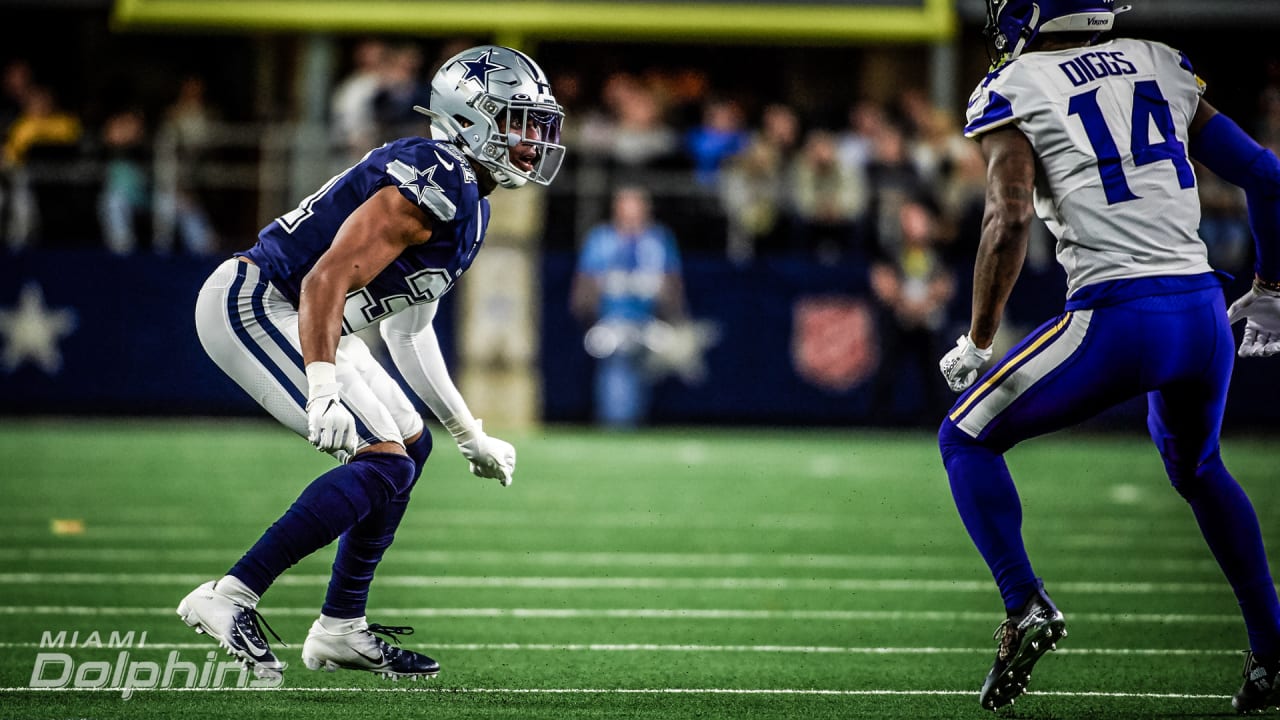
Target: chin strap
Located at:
point(1029, 31)
point(508, 180)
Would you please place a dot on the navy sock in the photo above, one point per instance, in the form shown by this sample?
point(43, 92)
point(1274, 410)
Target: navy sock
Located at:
point(1230, 527)
point(361, 548)
point(328, 507)
point(989, 506)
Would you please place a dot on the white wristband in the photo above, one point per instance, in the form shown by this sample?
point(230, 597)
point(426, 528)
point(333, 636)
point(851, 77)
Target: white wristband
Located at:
point(461, 426)
point(321, 376)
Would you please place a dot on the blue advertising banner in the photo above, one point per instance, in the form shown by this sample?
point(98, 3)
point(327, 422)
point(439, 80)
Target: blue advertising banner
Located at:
point(87, 332)
point(795, 343)
point(90, 332)
point(800, 343)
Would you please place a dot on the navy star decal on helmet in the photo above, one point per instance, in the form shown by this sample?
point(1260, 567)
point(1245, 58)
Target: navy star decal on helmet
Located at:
point(479, 68)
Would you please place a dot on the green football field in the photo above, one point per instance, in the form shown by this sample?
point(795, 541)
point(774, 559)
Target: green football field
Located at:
point(668, 574)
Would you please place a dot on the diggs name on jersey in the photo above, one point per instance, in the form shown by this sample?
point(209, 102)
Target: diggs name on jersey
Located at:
point(1095, 66)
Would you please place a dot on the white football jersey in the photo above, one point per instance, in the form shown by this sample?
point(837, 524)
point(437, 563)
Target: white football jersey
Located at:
point(1108, 123)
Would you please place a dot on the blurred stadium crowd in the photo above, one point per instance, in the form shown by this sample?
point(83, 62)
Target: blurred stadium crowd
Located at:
point(745, 166)
point(740, 173)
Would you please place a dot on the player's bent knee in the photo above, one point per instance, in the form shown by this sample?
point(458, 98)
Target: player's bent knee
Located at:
point(395, 469)
point(1189, 477)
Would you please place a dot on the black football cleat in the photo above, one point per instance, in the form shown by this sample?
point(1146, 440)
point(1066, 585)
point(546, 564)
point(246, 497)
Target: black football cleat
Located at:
point(1024, 638)
point(1259, 689)
point(235, 626)
point(357, 647)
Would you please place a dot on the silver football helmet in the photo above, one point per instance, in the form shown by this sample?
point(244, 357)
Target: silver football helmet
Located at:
point(496, 103)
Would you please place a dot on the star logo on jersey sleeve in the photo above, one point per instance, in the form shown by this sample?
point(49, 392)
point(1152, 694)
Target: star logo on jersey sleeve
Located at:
point(481, 67)
point(422, 185)
point(418, 182)
point(32, 330)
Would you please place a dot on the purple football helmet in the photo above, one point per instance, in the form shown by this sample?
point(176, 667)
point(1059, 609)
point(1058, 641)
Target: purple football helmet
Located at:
point(1013, 24)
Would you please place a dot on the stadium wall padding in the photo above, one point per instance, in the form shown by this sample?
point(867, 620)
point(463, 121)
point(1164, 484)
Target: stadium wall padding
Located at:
point(86, 332)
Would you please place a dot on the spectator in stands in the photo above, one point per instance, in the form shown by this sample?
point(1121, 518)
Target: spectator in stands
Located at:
point(893, 180)
point(953, 168)
point(402, 88)
point(40, 122)
point(938, 146)
point(914, 112)
point(628, 275)
point(15, 85)
point(780, 129)
point(633, 133)
point(751, 186)
point(913, 286)
point(866, 119)
point(47, 136)
point(124, 203)
point(355, 129)
point(720, 136)
point(183, 145)
point(828, 198)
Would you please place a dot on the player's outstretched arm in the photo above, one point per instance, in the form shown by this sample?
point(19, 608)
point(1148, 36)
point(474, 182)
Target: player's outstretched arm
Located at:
point(1220, 145)
point(1006, 224)
point(415, 350)
point(370, 239)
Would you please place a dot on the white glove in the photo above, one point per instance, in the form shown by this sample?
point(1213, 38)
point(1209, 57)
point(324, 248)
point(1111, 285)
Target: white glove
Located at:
point(1260, 308)
point(330, 426)
point(1258, 342)
point(490, 457)
point(960, 365)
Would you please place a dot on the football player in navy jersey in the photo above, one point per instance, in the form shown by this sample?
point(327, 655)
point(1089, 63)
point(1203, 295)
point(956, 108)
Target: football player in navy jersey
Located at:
point(380, 242)
point(1096, 138)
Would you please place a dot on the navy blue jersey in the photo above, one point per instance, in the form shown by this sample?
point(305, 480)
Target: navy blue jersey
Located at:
point(432, 174)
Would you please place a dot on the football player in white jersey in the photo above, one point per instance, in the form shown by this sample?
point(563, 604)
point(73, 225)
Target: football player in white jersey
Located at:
point(380, 242)
point(1096, 138)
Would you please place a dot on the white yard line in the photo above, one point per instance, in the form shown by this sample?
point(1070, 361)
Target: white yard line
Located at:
point(1069, 530)
point(638, 691)
point(648, 647)
point(630, 583)
point(642, 614)
point(590, 559)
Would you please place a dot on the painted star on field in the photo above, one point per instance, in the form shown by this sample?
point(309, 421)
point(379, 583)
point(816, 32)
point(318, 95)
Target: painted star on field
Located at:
point(32, 330)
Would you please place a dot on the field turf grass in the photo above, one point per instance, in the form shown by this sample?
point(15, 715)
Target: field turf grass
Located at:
point(667, 574)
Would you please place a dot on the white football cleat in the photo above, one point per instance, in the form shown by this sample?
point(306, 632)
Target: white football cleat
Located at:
point(352, 645)
point(234, 624)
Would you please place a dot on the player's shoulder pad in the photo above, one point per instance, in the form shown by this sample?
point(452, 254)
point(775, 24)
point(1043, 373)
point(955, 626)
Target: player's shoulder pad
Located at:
point(432, 173)
point(1174, 55)
point(991, 103)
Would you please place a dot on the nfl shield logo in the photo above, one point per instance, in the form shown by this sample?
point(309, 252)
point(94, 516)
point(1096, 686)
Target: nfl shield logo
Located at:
point(833, 343)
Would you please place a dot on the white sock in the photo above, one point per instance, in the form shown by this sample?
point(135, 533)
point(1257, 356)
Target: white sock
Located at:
point(342, 626)
point(231, 586)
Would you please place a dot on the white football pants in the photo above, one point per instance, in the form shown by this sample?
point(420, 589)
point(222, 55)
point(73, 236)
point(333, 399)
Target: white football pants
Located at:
point(251, 331)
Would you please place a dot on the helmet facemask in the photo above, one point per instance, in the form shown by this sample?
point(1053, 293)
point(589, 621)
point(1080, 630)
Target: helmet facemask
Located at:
point(524, 143)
